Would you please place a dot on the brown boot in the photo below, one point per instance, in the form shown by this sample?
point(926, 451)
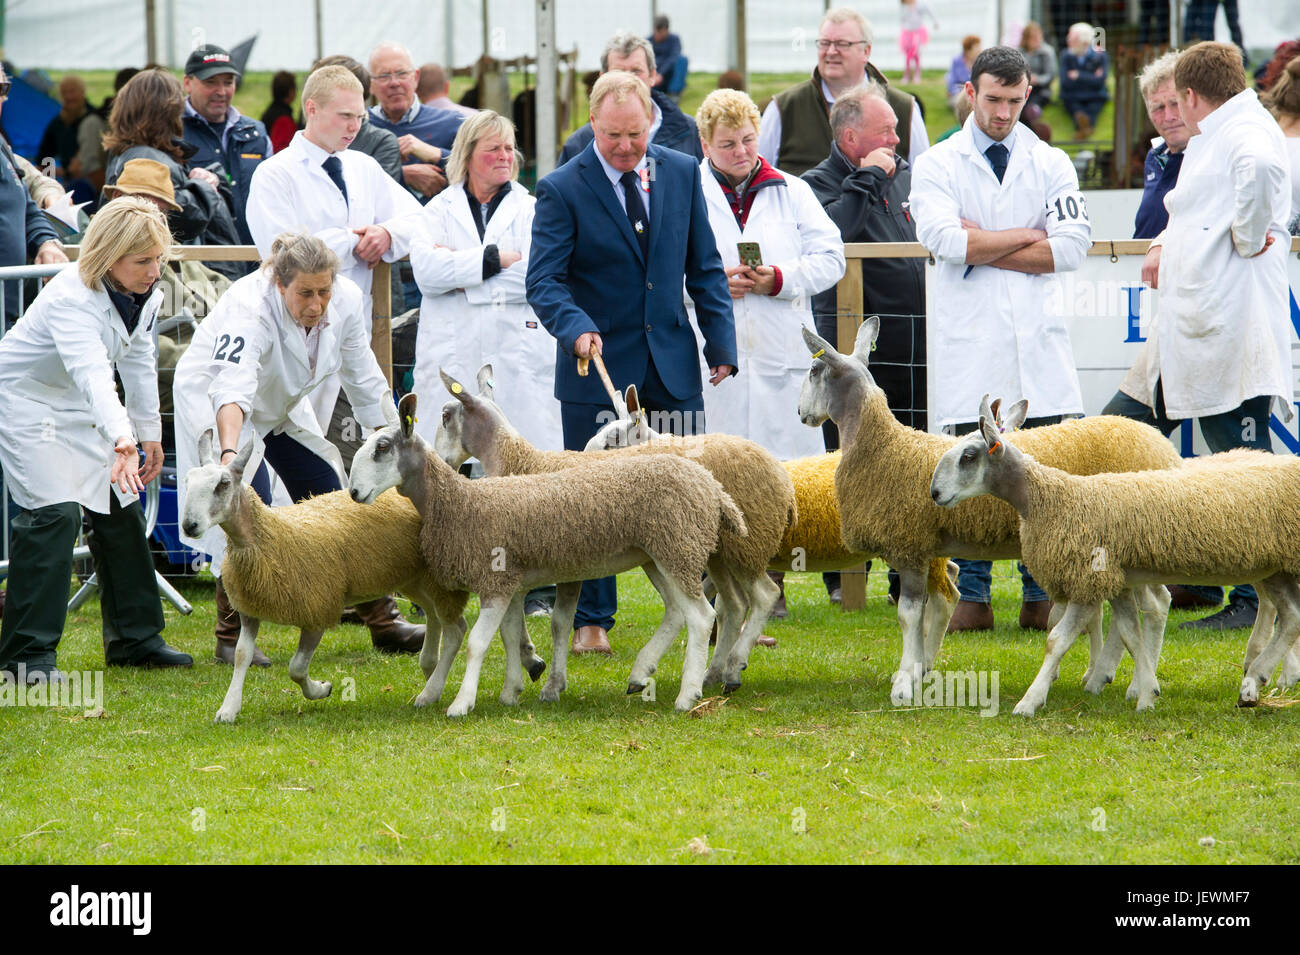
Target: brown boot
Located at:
point(1034, 614)
point(389, 630)
point(1082, 125)
point(228, 632)
point(970, 615)
point(778, 610)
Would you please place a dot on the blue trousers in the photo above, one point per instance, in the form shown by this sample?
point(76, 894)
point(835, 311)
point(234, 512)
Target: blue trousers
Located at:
point(599, 600)
point(303, 472)
point(1222, 432)
point(975, 577)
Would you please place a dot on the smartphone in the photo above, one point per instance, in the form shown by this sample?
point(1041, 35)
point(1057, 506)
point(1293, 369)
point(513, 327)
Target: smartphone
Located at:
point(750, 254)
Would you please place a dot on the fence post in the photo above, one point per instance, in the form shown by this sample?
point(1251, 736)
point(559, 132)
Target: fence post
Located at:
point(381, 328)
point(848, 308)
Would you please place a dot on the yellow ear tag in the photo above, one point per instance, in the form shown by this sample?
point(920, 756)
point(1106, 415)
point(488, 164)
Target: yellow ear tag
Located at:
point(819, 352)
point(410, 421)
point(456, 388)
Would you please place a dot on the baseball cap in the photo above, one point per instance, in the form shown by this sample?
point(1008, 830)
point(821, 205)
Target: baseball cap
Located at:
point(209, 60)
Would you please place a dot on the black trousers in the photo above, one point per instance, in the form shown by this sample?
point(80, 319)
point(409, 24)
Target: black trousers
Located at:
point(40, 567)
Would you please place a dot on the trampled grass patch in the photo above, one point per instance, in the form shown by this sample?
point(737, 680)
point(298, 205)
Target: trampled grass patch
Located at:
point(807, 762)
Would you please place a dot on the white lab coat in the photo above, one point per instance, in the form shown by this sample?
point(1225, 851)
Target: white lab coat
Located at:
point(1221, 330)
point(291, 192)
point(990, 331)
point(795, 234)
point(250, 352)
point(466, 321)
point(59, 412)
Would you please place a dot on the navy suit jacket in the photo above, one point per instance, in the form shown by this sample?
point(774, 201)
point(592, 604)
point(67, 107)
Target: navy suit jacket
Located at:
point(586, 273)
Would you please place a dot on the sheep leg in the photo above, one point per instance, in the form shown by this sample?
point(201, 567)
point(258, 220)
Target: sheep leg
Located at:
point(1102, 665)
point(647, 661)
point(491, 612)
point(308, 641)
point(1073, 622)
point(911, 610)
point(566, 603)
point(514, 634)
point(1153, 601)
point(453, 635)
point(1262, 632)
point(938, 611)
point(763, 595)
point(1124, 618)
point(731, 606)
point(243, 659)
point(699, 621)
point(1284, 594)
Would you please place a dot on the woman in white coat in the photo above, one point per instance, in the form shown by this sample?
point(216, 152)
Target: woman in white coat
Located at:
point(751, 202)
point(249, 374)
point(67, 444)
point(470, 265)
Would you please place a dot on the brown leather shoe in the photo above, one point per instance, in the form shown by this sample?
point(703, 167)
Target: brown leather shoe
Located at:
point(389, 630)
point(1180, 598)
point(228, 632)
point(970, 615)
point(765, 641)
point(1034, 614)
point(591, 639)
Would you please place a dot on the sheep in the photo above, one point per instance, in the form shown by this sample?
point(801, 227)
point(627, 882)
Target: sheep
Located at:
point(300, 565)
point(813, 542)
point(475, 427)
point(882, 485)
point(496, 536)
point(1094, 538)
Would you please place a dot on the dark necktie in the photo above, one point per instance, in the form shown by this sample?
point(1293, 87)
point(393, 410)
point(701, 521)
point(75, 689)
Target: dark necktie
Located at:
point(334, 169)
point(997, 155)
point(636, 211)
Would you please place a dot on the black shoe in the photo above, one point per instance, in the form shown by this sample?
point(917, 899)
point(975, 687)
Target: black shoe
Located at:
point(1235, 616)
point(836, 596)
point(536, 608)
point(32, 677)
point(164, 656)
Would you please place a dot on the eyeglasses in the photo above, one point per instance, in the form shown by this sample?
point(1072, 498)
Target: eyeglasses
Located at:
point(388, 77)
point(841, 46)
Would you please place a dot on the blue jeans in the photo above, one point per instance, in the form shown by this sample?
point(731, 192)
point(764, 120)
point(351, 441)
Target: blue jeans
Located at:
point(975, 577)
point(1222, 432)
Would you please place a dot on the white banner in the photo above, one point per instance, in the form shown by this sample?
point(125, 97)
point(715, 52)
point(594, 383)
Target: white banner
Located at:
point(1108, 311)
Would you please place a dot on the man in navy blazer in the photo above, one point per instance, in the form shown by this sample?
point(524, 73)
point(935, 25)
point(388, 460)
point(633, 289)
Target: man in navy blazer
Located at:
point(605, 279)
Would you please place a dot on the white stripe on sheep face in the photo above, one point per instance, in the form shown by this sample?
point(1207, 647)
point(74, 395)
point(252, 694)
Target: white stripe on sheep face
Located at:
point(211, 490)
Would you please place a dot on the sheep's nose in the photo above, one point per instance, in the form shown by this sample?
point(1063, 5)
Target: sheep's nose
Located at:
point(353, 491)
point(934, 494)
point(190, 528)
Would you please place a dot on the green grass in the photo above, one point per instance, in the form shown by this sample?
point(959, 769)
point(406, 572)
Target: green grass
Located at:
point(255, 94)
point(603, 777)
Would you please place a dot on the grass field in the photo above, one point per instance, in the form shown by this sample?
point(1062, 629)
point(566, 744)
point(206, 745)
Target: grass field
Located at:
point(807, 762)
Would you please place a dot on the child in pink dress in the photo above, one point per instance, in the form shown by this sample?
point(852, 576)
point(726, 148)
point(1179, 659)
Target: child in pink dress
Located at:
point(914, 36)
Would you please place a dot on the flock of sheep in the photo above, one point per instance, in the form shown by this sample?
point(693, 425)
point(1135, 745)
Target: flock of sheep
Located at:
point(1098, 508)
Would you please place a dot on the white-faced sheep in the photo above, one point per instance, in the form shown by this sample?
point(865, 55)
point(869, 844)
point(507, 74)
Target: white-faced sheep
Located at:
point(1089, 539)
point(883, 480)
point(300, 565)
point(473, 426)
point(496, 536)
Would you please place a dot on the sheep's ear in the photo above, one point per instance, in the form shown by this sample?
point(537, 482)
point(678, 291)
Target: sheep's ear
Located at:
point(205, 448)
point(986, 409)
point(818, 347)
point(241, 459)
point(996, 408)
point(486, 386)
point(632, 401)
point(1017, 414)
point(992, 436)
point(406, 414)
point(865, 342)
point(390, 412)
point(456, 389)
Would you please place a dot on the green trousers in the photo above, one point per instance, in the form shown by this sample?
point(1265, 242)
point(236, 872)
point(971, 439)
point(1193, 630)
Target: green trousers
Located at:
point(40, 567)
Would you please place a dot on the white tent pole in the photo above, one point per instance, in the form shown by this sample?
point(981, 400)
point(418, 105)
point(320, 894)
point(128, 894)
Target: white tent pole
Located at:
point(544, 121)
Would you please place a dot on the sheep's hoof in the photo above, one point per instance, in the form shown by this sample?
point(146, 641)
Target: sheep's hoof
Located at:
point(635, 688)
point(509, 697)
point(1095, 685)
point(1249, 695)
point(1132, 693)
point(536, 668)
point(1025, 708)
point(730, 688)
point(225, 716)
point(684, 704)
point(458, 709)
point(550, 694)
point(1146, 705)
point(901, 694)
point(712, 676)
point(424, 699)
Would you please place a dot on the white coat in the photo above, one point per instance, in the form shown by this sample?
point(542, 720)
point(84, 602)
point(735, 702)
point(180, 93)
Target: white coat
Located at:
point(291, 192)
point(989, 331)
point(466, 321)
point(249, 351)
point(1221, 331)
point(795, 234)
point(59, 412)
